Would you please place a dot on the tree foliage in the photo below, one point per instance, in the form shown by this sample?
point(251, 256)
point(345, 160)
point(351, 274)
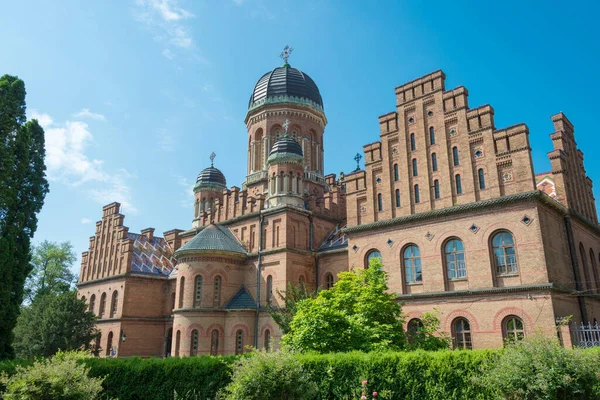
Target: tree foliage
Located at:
point(51, 269)
point(23, 187)
point(290, 297)
point(54, 322)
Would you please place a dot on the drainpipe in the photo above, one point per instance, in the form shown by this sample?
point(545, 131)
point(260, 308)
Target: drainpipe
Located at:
point(258, 268)
point(575, 265)
point(310, 247)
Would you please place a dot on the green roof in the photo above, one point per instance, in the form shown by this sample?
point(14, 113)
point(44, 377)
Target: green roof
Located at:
point(213, 238)
point(241, 301)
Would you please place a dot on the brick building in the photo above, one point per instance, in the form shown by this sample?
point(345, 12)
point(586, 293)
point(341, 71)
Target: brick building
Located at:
point(449, 202)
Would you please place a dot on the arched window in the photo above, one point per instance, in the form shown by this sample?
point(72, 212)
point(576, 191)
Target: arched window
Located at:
point(102, 306)
point(114, 304)
point(269, 289)
point(411, 259)
point(370, 256)
point(397, 197)
point(455, 155)
point(413, 143)
point(198, 294)
point(434, 162)
point(505, 257)
point(458, 182)
point(239, 342)
point(267, 344)
point(328, 281)
point(415, 167)
point(417, 195)
point(177, 343)
point(194, 343)
point(455, 259)
point(413, 328)
point(396, 174)
point(436, 189)
point(214, 343)
point(169, 342)
point(217, 292)
point(109, 344)
point(97, 346)
point(461, 334)
point(481, 175)
point(92, 304)
point(181, 290)
point(431, 135)
point(379, 202)
point(512, 329)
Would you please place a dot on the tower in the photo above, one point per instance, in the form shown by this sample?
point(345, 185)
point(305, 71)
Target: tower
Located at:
point(208, 191)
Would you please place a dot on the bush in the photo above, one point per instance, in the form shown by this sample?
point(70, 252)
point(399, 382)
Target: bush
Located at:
point(59, 377)
point(263, 375)
point(540, 368)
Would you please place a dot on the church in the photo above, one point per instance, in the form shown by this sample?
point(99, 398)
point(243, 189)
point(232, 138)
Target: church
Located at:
point(448, 201)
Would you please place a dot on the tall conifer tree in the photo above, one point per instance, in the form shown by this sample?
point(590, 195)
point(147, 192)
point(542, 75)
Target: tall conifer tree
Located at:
point(23, 187)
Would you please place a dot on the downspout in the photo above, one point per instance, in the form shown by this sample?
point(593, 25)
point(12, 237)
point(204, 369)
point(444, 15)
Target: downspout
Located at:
point(310, 247)
point(258, 267)
point(575, 265)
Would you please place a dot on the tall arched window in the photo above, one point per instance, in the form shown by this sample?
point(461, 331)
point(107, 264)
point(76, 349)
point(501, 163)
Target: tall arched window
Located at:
point(455, 259)
point(239, 342)
point(217, 292)
point(417, 195)
point(396, 173)
point(415, 167)
point(92, 304)
point(267, 344)
point(97, 346)
point(413, 143)
point(458, 184)
point(436, 189)
point(413, 328)
point(481, 176)
point(397, 197)
point(102, 306)
point(109, 344)
point(455, 155)
point(379, 202)
point(371, 255)
point(181, 290)
point(411, 258)
point(461, 334)
point(214, 343)
point(114, 304)
point(177, 343)
point(198, 293)
point(269, 289)
point(505, 258)
point(328, 280)
point(194, 343)
point(434, 162)
point(512, 328)
point(431, 135)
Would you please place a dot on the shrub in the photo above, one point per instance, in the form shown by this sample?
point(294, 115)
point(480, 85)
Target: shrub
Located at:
point(59, 377)
point(263, 375)
point(540, 368)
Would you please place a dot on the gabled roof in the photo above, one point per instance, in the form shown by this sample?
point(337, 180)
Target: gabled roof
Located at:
point(213, 238)
point(241, 301)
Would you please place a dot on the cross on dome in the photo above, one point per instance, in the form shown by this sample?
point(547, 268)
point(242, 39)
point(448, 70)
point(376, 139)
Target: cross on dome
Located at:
point(286, 125)
point(285, 54)
point(212, 158)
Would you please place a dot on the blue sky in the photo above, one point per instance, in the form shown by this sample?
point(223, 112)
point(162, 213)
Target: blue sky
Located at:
point(135, 94)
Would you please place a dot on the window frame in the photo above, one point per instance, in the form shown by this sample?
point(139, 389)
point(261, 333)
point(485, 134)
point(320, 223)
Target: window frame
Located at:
point(417, 194)
point(481, 178)
point(329, 280)
point(397, 194)
point(462, 339)
point(455, 156)
point(239, 342)
point(413, 142)
point(431, 135)
point(434, 164)
point(416, 266)
point(370, 255)
point(497, 266)
point(458, 184)
point(415, 167)
point(515, 334)
point(396, 173)
point(436, 189)
point(199, 281)
point(194, 343)
point(456, 269)
point(217, 284)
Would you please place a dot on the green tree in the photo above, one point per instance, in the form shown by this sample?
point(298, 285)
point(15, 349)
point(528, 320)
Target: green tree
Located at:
point(54, 322)
point(290, 297)
point(358, 313)
point(23, 187)
point(51, 269)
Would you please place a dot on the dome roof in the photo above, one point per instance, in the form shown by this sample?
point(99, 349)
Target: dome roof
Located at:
point(213, 238)
point(286, 147)
point(211, 177)
point(286, 84)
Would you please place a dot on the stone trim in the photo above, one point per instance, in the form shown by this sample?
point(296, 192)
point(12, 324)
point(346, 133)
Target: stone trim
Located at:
point(120, 276)
point(491, 290)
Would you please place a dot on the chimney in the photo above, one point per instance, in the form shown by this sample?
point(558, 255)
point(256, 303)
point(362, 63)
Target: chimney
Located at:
point(149, 233)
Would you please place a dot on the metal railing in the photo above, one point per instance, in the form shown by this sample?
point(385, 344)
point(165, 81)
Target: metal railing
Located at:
point(585, 335)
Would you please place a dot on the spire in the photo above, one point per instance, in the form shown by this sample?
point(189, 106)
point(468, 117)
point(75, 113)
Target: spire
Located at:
point(212, 158)
point(285, 54)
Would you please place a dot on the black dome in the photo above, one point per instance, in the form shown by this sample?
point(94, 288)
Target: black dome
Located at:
point(288, 82)
point(211, 176)
point(286, 145)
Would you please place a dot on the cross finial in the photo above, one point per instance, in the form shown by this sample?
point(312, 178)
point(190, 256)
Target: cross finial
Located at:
point(285, 54)
point(357, 158)
point(286, 125)
point(212, 158)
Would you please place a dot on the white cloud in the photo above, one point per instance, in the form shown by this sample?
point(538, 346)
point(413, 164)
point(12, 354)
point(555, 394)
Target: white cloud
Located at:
point(67, 162)
point(164, 18)
point(86, 221)
point(238, 2)
point(168, 54)
point(86, 113)
point(187, 200)
point(166, 142)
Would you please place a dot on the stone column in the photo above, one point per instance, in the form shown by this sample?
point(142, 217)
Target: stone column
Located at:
point(286, 183)
point(277, 183)
point(317, 158)
point(294, 184)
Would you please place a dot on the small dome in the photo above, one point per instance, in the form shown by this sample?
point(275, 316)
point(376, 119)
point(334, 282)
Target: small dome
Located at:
point(211, 178)
point(286, 84)
point(287, 148)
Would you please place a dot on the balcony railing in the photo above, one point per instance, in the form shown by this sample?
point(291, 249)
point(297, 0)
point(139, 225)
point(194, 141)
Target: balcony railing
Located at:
point(256, 177)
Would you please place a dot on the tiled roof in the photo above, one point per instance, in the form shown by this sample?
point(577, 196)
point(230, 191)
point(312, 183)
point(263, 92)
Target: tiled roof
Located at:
point(337, 239)
point(241, 301)
point(151, 256)
point(213, 237)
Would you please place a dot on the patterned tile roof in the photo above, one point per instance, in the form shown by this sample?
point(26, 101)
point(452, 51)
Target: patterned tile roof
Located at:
point(213, 237)
point(337, 239)
point(151, 256)
point(241, 301)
